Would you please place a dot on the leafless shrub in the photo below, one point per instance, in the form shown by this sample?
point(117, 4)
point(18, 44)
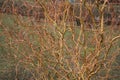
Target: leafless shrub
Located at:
point(46, 44)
